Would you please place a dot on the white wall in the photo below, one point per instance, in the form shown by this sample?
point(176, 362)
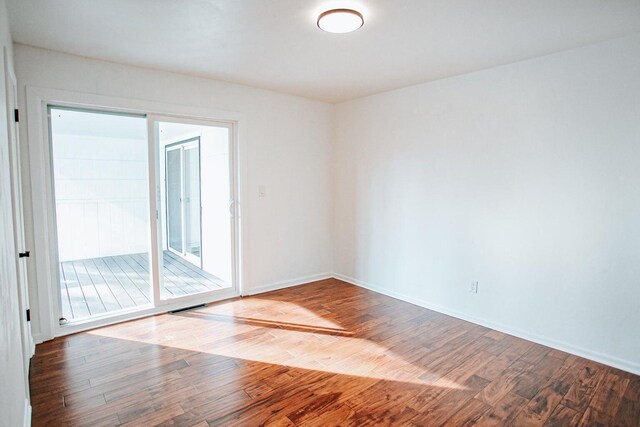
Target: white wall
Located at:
point(102, 192)
point(524, 177)
point(287, 144)
point(13, 396)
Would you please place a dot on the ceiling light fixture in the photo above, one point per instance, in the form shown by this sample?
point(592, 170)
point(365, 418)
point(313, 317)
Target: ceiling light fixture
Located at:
point(340, 20)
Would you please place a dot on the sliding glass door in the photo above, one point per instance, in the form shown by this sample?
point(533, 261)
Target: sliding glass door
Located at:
point(196, 223)
point(116, 251)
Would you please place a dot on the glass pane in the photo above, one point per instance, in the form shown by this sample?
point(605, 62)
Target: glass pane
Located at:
point(100, 175)
point(174, 199)
point(205, 262)
point(192, 200)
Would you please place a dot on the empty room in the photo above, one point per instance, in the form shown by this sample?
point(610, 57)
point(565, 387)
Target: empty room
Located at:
point(320, 213)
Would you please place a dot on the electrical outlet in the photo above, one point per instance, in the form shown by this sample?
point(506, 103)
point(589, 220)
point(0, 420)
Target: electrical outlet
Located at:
point(473, 287)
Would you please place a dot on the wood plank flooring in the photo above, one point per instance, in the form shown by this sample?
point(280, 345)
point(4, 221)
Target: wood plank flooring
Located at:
point(103, 285)
point(321, 354)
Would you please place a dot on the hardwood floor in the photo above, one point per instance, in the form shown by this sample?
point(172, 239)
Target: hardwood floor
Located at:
point(322, 354)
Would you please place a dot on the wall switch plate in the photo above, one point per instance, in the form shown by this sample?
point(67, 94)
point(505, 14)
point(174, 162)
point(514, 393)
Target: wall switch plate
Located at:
point(473, 288)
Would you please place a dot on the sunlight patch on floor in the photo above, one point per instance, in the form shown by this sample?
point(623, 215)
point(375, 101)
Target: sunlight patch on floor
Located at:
point(274, 342)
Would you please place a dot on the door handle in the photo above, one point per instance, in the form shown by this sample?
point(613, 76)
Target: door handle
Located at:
point(24, 254)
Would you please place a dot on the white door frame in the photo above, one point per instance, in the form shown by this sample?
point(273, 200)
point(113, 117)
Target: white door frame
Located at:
point(166, 174)
point(183, 145)
point(44, 287)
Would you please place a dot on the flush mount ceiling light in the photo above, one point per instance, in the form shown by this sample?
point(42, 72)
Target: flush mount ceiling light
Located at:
point(340, 20)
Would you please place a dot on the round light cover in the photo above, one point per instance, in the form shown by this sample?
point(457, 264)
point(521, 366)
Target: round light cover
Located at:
point(340, 20)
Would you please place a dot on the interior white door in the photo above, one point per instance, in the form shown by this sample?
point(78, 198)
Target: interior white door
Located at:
point(18, 219)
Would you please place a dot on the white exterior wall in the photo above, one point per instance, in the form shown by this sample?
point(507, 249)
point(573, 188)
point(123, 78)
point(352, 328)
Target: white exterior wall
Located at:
point(102, 193)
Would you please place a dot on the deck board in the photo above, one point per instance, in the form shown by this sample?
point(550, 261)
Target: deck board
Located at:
point(178, 285)
point(88, 289)
point(109, 300)
point(141, 281)
point(170, 284)
point(77, 299)
point(183, 280)
point(115, 287)
point(64, 296)
point(199, 275)
point(103, 285)
point(113, 277)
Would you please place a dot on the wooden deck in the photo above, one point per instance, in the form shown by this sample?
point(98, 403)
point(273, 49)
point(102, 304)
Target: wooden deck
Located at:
point(97, 286)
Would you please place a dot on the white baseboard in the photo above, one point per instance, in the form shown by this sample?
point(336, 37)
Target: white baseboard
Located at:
point(287, 283)
point(606, 359)
point(37, 339)
point(27, 413)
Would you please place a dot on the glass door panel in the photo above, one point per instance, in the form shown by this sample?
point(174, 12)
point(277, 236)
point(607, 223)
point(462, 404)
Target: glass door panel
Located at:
point(101, 197)
point(196, 230)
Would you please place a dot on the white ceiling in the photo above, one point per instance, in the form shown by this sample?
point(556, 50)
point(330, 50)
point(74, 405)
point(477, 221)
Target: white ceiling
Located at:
point(275, 44)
